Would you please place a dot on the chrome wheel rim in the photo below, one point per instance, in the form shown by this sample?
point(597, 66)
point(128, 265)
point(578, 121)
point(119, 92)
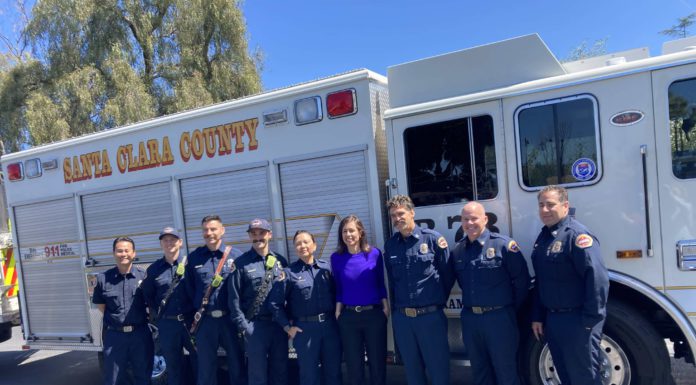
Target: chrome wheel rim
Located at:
point(614, 366)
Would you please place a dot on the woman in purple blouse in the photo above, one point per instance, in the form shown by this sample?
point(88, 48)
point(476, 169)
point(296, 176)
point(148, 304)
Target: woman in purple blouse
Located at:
point(361, 302)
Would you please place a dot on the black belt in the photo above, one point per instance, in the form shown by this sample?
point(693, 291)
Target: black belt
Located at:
point(416, 311)
point(124, 328)
point(321, 317)
point(563, 310)
point(178, 317)
point(216, 313)
point(484, 309)
point(263, 318)
point(361, 308)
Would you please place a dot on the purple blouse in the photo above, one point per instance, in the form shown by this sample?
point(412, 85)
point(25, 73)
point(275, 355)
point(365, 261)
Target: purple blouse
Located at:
point(359, 278)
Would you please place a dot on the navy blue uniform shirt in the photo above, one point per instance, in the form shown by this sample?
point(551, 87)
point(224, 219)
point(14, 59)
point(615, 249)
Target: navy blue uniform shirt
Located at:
point(491, 271)
point(200, 270)
point(417, 269)
point(159, 277)
point(308, 289)
point(246, 282)
point(570, 272)
point(123, 296)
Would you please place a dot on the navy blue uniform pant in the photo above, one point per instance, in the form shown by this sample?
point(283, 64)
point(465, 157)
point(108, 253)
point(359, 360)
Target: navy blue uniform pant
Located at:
point(423, 346)
point(492, 339)
point(173, 338)
point(267, 353)
point(121, 349)
point(575, 350)
point(214, 332)
point(318, 343)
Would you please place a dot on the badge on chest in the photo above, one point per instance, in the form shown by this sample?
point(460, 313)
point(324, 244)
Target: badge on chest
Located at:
point(556, 247)
point(423, 248)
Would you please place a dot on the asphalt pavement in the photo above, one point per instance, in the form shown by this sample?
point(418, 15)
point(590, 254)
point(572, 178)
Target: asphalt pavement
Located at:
point(32, 367)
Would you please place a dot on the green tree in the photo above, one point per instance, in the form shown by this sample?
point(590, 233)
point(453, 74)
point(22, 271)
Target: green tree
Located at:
point(97, 64)
point(681, 29)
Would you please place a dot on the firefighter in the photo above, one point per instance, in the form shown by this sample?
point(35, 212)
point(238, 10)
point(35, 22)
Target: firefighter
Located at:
point(419, 282)
point(494, 279)
point(126, 337)
point(573, 287)
point(309, 290)
point(170, 308)
point(250, 284)
point(214, 326)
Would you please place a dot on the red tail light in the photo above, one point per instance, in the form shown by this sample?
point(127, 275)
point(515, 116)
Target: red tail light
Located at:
point(15, 171)
point(341, 103)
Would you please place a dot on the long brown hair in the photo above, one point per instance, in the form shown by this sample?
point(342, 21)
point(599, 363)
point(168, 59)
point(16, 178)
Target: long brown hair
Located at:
point(342, 247)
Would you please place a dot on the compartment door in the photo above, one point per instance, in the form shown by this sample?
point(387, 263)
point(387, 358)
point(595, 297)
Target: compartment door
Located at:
point(139, 212)
point(236, 196)
point(317, 193)
point(54, 285)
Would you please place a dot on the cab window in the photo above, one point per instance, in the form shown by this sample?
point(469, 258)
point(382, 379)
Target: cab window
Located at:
point(558, 142)
point(682, 127)
point(452, 161)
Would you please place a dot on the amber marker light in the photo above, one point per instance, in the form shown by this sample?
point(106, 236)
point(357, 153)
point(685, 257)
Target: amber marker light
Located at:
point(629, 254)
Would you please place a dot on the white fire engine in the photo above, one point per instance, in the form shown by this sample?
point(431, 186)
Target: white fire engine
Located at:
point(493, 123)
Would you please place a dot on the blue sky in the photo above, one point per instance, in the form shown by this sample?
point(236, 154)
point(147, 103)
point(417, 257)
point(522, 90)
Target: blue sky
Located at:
point(304, 40)
point(309, 39)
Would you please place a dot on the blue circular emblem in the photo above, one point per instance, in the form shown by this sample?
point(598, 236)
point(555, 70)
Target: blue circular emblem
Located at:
point(583, 169)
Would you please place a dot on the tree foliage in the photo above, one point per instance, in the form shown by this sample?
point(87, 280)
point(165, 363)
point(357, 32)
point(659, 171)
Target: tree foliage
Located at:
point(584, 50)
point(97, 64)
point(681, 29)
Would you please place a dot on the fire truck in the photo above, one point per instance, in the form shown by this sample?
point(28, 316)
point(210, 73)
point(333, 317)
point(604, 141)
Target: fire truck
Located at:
point(494, 123)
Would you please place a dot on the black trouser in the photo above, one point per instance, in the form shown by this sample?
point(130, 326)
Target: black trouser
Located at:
point(362, 332)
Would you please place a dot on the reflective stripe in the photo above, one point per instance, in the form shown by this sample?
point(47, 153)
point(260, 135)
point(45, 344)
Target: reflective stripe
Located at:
point(9, 271)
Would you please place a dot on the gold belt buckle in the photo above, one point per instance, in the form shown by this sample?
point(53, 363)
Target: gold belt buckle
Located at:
point(216, 313)
point(127, 329)
point(477, 310)
point(411, 312)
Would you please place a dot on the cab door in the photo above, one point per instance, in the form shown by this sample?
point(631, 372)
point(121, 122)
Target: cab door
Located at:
point(674, 92)
point(446, 158)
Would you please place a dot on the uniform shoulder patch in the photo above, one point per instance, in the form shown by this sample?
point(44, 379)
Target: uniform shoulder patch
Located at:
point(583, 241)
point(442, 242)
point(512, 246)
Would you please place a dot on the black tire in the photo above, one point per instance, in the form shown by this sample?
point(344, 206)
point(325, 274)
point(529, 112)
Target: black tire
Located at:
point(5, 331)
point(636, 352)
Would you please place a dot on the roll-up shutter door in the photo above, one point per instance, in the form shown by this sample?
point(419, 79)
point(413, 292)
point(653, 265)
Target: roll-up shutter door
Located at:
point(237, 197)
point(317, 193)
point(137, 212)
point(53, 271)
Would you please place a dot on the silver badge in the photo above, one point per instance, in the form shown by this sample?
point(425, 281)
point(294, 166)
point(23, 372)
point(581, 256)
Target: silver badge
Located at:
point(556, 247)
point(490, 253)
